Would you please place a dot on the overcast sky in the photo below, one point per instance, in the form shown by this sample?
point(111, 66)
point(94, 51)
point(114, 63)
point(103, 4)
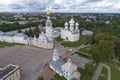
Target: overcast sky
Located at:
point(102, 6)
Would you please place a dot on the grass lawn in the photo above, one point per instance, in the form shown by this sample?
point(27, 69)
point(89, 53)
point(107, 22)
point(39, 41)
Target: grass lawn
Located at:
point(104, 71)
point(103, 74)
point(84, 75)
point(102, 78)
point(59, 39)
point(84, 50)
point(88, 49)
point(40, 78)
point(115, 73)
point(74, 44)
point(87, 55)
point(5, 44)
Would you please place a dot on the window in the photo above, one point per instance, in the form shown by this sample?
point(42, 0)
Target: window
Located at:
point(66, 72)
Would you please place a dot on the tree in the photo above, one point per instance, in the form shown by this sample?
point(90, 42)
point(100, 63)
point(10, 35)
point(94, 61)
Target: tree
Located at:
point(99, 36)
point(116, 42)
point(89, 68)
point(19, 31)
point(74, 79)
point(36, 32)
point(40, 78)
point(58, 77)
point(26, 32)
point(30, 33)
point(106, 49)
point(16, 23)
point(97, 56)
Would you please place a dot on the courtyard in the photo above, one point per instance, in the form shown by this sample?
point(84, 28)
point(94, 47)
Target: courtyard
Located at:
point(30, 59)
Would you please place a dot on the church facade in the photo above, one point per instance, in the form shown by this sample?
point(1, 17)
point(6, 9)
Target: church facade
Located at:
point(66, 69)
point(71, 31)
point(45, 40)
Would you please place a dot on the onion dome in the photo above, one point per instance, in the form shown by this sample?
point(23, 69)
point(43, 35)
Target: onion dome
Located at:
point(77, 24)
point(48, 12)
point(72, 21)
point(66, 24)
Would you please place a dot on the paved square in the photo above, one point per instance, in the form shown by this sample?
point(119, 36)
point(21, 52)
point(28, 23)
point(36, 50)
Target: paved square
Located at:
point(30, 59)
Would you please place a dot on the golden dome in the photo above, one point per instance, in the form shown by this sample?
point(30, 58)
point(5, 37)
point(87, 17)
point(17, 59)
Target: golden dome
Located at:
point(48, 12)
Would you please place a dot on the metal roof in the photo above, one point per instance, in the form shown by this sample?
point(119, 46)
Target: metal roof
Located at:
point(57, 65)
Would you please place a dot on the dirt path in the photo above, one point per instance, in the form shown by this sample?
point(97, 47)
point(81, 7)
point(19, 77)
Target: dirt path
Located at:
point(47, 73)
point(98, 71)
point(109, 71)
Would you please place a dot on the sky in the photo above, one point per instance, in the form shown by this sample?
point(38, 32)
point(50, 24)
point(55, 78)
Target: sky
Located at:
point(75, 6)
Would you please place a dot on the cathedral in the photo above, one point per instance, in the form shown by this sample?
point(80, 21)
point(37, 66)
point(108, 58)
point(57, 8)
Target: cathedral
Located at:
point(45, 40)
point(71, 32)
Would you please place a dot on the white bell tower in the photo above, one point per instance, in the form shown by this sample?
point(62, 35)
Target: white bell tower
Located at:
point(49, 28)
point(55, 55)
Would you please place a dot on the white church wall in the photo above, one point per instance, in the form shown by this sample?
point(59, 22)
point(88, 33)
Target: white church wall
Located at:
point(1, 38)
point(20, 40)
point(7, 39)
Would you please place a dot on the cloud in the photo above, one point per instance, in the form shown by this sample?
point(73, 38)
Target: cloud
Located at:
point(60, 5)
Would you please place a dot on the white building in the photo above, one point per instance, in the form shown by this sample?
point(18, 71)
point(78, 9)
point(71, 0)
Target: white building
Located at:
point(42, 41)
point(10, 72)
point(66, 69)
point(18, 15)
point(71, 31)
point(87, 32)
point(1, 32)
point(18, 38)
point(45, 40)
